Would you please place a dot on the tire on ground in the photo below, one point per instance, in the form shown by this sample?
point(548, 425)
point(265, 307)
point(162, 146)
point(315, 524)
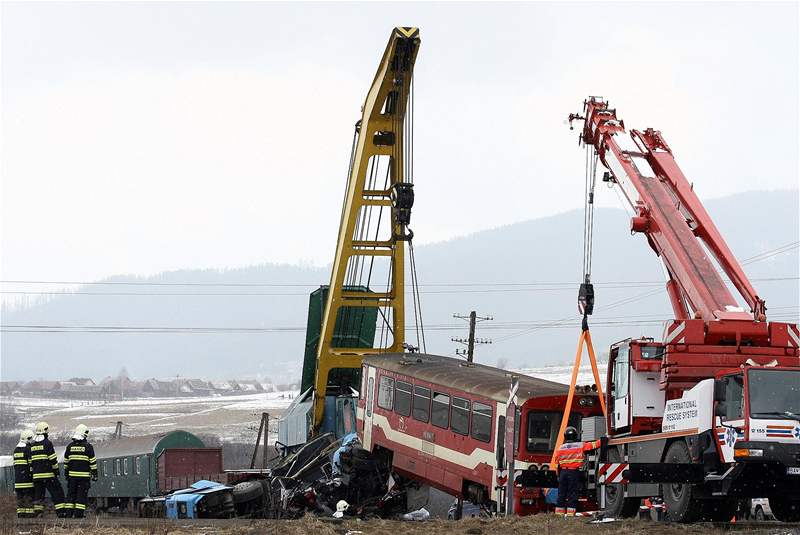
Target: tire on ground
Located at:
point(247, 491)
point(616, 504)
point(785, 509)
point(682, 504)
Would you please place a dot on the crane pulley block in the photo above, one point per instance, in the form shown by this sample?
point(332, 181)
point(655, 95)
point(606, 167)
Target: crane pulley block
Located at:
point(402, 202)
point(586, 299)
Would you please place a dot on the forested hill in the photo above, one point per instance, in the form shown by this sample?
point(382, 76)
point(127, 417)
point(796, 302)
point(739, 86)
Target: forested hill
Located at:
point(525, 275)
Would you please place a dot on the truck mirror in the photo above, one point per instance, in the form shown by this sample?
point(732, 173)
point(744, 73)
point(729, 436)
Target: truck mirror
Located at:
point(720, 409)
point(719, 391)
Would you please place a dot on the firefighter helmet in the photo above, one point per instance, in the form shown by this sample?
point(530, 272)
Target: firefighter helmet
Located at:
point(571, 434)
point(26, 436)
point(81, 432)
point(42, 428)
point(342, 506)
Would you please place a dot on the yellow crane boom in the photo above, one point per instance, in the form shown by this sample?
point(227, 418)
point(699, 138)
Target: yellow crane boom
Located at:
point(381, 143)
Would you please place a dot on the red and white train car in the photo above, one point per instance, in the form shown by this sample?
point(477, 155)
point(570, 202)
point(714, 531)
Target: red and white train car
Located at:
point(442, 422)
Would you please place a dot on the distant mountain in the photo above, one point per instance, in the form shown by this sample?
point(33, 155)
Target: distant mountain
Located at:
point(525, 275)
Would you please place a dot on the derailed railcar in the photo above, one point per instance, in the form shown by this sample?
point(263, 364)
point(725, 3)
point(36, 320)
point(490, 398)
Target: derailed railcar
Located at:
point(441, 421)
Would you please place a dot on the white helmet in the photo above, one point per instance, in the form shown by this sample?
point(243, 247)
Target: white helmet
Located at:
point(342, 506)
point(81, 432)
point(26, 436)
point(42, 428)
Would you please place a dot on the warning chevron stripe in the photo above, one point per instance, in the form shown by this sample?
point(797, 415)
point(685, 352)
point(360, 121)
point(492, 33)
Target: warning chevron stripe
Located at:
point(408, 31)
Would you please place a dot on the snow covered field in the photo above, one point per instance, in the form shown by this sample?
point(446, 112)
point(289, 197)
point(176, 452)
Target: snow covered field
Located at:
point(232, 418)
point(563, 373)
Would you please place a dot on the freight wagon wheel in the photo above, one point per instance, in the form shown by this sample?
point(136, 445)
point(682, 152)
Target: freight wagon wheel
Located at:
point(682, 504)
point(785, 509)
point(617, 505)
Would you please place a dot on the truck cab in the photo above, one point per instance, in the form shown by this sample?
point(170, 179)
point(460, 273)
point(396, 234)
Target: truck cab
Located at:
point(757, 412)
point(635, 399)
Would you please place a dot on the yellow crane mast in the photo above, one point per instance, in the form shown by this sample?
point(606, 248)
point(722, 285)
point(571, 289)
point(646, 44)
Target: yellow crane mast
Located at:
point(382, 147)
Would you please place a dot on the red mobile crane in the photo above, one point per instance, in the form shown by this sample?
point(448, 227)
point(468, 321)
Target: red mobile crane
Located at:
point(712, 413)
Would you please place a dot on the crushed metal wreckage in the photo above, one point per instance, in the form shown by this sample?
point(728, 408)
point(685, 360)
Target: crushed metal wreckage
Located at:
point(319, 476)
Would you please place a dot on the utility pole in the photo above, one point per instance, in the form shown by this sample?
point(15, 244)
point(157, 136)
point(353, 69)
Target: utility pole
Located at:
point(263, 429)
point(471, 341)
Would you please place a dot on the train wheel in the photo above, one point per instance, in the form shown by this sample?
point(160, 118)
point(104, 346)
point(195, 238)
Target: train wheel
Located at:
point(785, 509)
point(682, 504)
point(616, 504)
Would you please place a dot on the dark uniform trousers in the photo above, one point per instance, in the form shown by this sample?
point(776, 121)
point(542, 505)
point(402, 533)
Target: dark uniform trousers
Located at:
point(52, 486)
point(77, 493)
point(569, 487)
point(44, 467)
point(24, 502)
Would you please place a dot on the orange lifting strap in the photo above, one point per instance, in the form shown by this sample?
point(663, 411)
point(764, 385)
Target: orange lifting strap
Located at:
point(585, 338)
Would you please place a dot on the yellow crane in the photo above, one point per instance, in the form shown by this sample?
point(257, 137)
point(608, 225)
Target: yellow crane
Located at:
point(379, 188)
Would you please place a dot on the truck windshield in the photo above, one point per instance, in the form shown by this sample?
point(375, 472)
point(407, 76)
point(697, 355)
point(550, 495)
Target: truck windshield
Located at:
point(774, 394)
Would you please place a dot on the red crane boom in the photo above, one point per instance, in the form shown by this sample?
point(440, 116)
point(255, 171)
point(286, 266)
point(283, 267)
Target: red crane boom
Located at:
point(672, 217)
point(711, 329)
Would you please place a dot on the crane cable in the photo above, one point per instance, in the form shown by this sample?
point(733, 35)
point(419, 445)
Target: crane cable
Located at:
point(585, 300)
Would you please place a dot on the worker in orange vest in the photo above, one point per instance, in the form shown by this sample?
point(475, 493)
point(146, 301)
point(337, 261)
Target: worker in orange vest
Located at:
point(569, 461)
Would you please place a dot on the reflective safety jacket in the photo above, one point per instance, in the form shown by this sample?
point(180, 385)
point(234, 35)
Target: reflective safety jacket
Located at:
point(79, 460)
point(44, 461)
point(570, 454)
point(23, 478)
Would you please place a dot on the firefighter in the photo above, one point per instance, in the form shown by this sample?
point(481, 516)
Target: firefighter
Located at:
point(569, 459)
point(44, 468)
point(80, 465)
point(23, 479)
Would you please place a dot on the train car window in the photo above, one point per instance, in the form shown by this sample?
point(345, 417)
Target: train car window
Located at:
point(543, 429)
point(402, 398)
point(440, 411)
point(117, 467)
point(422, 403)
point(386, 393)
point(137, 466)
point(125, 466)
point(362, 392)
point(481, 421)
point(459, 416)
point(370, 394)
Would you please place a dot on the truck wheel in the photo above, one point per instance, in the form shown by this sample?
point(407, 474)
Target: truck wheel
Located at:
point(247, 491)
point(616, 504)
point(785, 509)
point(682, 504)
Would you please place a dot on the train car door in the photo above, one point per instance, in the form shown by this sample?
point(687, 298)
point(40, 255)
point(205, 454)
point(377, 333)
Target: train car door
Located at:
point(620, 387)
point(369, 400)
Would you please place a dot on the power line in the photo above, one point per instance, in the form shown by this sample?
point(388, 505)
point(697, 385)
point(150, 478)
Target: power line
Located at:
point(642, 319)
point(568, 285)
point(658, 285)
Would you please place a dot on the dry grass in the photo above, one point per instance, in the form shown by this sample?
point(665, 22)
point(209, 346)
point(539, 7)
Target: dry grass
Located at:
point(540, 524)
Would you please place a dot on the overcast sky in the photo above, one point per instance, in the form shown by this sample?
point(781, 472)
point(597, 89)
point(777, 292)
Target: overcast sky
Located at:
point(144, 137)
